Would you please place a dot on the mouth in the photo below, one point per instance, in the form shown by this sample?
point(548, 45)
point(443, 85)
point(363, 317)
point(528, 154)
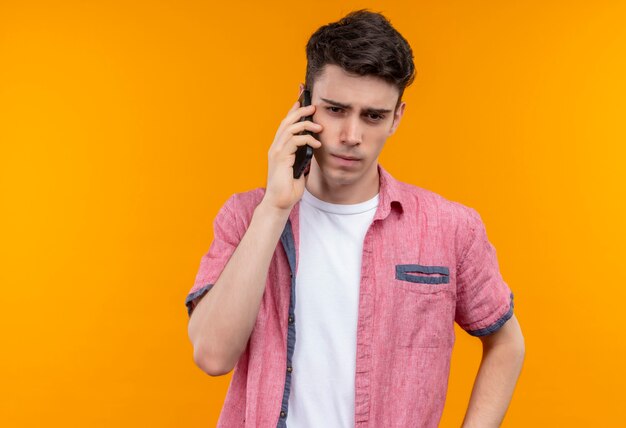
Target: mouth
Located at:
point(348, 158)
point(346, 161)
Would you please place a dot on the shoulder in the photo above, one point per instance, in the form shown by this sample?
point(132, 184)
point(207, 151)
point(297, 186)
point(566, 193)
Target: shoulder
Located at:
point(239, 208)
point(244, 202)
point(453, 221)
point(428, 203)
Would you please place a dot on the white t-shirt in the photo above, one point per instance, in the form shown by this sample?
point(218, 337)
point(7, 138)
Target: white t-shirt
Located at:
point(327, 297)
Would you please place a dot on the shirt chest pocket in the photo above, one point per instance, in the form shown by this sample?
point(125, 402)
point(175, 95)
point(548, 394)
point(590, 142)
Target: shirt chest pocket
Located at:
point(424, 304)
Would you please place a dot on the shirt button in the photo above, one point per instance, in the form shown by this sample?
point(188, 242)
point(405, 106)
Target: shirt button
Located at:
point(290, 319)
point(289, 369)
point(283, 414)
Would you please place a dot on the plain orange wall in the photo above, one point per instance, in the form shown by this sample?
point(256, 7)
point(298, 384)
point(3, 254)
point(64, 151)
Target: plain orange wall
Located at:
point(125, 125)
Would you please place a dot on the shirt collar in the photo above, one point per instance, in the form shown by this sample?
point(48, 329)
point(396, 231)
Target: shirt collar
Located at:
point(390, 195)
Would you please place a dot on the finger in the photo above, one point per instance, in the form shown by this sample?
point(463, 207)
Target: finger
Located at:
point(290, 145)
point(305, 125)
point(300, 112)
point(300, 140)
point(294, 116)
point(294, 131)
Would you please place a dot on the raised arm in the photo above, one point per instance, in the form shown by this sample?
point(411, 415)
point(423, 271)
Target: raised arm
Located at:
point(222, 321)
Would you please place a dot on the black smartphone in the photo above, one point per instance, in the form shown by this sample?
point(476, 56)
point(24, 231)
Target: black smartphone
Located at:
point(304, 153)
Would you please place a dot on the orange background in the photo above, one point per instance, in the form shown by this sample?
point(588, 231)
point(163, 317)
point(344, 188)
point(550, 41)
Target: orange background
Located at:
point(125, 125)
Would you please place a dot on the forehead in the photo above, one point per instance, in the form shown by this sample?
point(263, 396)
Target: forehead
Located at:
point(336, 84)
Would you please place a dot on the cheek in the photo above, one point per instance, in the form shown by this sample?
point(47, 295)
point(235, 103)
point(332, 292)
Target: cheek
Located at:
point(376, 139)
point(329, 134)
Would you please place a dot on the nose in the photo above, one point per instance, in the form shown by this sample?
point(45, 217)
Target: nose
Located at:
point(351, 132)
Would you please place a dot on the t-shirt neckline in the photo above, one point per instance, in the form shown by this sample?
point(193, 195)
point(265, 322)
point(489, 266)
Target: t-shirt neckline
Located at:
point(344, 209)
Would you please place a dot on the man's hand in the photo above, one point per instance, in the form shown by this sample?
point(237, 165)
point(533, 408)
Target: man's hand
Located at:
point(282, 190)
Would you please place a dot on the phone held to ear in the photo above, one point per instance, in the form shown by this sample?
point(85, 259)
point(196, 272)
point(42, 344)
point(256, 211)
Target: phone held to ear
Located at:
point(304, 153)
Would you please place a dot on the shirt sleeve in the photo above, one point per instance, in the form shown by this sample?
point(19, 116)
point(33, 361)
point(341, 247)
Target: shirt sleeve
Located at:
point(225, 241)
point(484, 300)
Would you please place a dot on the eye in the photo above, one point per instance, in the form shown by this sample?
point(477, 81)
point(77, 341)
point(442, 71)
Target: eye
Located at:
point(334, 109)
point(375, 117)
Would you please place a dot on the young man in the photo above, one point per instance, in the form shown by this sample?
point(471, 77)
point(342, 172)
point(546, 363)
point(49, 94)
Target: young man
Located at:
point(334, 295)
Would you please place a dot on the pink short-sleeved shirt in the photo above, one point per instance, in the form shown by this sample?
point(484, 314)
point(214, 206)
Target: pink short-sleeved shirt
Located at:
point(426, 263)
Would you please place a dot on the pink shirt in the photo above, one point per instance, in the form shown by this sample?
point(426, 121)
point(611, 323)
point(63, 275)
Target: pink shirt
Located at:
point(426, 263)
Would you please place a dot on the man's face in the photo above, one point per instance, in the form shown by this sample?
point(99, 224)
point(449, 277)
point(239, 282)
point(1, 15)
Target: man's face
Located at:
point(358, 114)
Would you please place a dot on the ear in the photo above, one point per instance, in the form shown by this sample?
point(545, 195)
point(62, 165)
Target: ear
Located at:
point(397, 116)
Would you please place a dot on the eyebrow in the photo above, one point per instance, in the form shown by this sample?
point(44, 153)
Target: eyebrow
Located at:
point(348, 106)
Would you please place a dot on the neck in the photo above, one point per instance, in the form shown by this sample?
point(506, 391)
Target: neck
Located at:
point(337, 191)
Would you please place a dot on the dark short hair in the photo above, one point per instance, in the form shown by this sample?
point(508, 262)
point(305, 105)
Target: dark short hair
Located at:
point(362, 43)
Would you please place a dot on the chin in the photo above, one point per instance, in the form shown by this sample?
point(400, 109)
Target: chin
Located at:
point(341, 177)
